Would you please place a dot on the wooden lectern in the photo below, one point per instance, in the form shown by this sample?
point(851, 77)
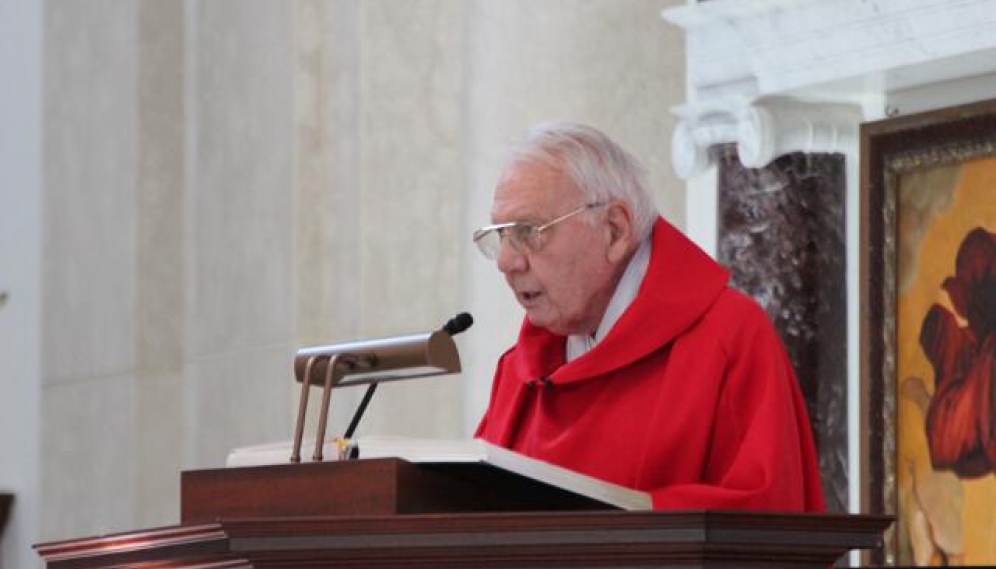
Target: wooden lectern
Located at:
point(388, 513)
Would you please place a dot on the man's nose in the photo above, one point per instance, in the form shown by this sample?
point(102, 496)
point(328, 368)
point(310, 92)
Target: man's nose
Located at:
point(510, 259)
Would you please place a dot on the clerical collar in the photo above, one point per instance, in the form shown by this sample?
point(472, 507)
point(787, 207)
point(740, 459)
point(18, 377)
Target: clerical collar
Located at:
point(629, 285)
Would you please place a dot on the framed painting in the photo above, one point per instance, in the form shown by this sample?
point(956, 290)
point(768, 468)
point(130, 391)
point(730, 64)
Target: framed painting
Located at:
point(928, 333)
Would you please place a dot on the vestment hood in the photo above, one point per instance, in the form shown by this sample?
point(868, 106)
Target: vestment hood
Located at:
point(664, 307)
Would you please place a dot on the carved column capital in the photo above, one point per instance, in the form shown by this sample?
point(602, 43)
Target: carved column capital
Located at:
point(762, 130)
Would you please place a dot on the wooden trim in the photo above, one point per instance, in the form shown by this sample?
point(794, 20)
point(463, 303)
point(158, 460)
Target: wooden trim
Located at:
point(588, 539)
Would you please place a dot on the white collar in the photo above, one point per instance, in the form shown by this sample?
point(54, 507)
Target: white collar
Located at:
point(629, 285)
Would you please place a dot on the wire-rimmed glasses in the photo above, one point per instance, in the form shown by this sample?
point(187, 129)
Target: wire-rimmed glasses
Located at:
point(520, 234)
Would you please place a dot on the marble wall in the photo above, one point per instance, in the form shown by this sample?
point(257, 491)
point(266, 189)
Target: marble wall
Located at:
point(377, 167)
point(228, 180)
point(90, 169)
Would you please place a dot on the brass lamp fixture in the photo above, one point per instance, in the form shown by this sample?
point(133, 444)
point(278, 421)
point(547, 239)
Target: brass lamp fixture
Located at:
point(371, 362)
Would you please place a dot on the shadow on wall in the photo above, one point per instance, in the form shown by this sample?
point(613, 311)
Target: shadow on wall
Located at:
point(6, 500)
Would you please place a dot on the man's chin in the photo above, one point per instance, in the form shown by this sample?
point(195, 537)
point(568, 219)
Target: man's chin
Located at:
point(548, 324)
point(537, 320)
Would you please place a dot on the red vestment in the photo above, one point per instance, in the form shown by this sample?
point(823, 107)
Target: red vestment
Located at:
point(690, 396)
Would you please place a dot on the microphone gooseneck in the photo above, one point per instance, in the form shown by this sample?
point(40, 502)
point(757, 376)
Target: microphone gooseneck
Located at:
point(454, 326)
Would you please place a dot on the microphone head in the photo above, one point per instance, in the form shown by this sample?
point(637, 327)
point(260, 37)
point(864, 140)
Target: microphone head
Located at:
point(458, 324)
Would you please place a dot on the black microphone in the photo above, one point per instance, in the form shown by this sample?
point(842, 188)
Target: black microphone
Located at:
point(458, 324)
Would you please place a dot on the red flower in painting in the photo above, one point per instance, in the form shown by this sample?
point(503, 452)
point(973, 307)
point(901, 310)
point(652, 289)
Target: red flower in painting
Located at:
point(961, 426)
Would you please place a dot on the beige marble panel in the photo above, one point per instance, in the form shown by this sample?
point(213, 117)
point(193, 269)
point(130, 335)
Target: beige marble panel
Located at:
point(243, 284)
point(610, 63)
point(378, 186)
point(412, 179)
point(238, 398)
point(410, 159)
point(159, 449)
point(88, 459)
point(89, 196)
point(160, 219)
point(327, 174)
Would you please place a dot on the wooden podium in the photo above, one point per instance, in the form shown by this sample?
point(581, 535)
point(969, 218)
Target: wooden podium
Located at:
point(388, 513)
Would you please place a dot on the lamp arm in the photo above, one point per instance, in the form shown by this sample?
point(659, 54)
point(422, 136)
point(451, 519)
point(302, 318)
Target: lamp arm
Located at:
point(302, 408)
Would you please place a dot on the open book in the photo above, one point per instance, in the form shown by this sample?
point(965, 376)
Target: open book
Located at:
point(459, 451)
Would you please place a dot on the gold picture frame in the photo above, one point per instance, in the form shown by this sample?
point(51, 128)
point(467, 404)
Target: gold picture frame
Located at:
point(914, 170)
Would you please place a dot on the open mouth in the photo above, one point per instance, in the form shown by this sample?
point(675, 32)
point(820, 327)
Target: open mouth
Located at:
point(528, 296)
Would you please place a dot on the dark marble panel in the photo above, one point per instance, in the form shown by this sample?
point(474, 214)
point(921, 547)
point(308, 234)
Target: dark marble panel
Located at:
point(781, 232)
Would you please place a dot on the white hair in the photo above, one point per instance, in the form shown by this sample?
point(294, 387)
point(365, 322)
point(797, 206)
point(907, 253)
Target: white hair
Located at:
point(600, 168)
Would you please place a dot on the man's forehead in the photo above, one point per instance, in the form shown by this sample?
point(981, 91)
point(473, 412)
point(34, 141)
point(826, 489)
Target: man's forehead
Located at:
point(528, 190)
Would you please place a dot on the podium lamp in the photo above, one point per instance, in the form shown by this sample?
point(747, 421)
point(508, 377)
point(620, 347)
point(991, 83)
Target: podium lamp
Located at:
point(367, 362)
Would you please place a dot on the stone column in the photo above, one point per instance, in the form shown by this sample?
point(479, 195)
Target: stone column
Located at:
point(781, 233)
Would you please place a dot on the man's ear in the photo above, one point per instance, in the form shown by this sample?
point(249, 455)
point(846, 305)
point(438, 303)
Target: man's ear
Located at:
point(619, 228)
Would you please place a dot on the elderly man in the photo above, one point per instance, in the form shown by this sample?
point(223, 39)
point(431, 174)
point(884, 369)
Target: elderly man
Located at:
point(636, 362)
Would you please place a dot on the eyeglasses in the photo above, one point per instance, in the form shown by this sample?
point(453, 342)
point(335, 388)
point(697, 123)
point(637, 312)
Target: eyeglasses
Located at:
point(520, 234)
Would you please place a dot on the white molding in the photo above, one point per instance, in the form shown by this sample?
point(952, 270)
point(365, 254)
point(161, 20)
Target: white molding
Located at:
point(824, 62)
point(833, 49)
point(762, 130)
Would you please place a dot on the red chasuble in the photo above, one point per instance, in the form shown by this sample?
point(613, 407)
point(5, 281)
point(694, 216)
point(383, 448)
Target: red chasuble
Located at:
point(690, 396)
